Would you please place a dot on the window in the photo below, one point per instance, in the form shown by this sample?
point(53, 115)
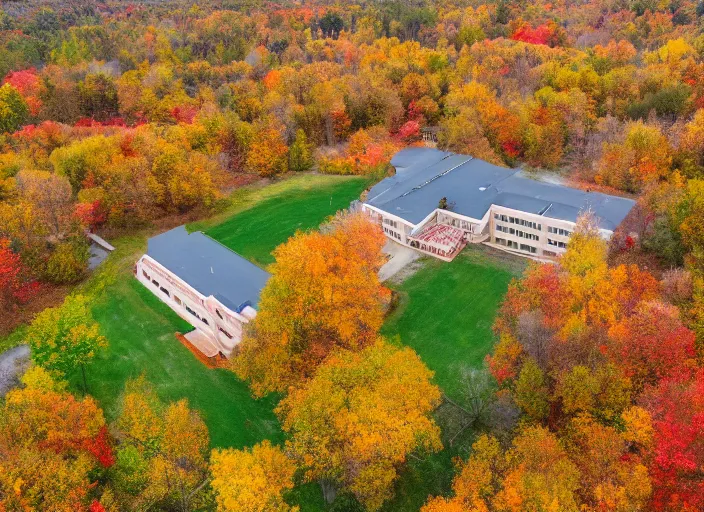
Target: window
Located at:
point(192, 312)
point(225, 332)
point(519, 222)
point(205, 321)
point(165, 291)
point(178, 301)
point(217, 312)
point(559, 231)
point(557, 243)
point(144, 273)
point(155, 283)
point(528, 248)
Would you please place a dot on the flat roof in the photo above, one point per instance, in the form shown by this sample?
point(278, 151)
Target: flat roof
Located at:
point(425, 175)
point(209, 267)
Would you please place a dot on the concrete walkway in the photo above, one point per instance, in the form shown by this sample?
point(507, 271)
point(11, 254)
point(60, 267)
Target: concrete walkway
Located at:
point(400, 256)
point(13, 362)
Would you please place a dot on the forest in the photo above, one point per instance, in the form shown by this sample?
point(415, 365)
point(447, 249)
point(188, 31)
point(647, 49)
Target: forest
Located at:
point(119, 115)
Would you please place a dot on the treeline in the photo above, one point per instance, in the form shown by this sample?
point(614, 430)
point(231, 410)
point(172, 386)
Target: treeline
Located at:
point(152, 109)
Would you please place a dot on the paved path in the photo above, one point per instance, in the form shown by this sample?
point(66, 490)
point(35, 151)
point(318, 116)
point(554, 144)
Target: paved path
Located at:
point(12, 364)
point(400, 257)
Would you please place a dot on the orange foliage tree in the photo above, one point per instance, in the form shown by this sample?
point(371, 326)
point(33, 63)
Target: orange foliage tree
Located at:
point(324, 293)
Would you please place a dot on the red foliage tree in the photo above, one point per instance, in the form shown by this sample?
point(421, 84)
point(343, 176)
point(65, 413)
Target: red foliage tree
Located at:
point(28, 84)
point(15, 285)
point(99, 447)
point(677, 408)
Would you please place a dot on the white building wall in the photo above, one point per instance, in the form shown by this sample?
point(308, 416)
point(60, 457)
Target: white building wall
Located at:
point(223, 326)
point(522, 233)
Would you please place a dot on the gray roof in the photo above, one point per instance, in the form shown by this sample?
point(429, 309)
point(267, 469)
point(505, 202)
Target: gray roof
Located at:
point(209, 267)
point(424, 176)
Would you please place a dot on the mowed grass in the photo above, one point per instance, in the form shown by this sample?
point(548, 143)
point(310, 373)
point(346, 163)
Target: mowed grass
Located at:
point(446, 311)
point(255, 232)
point(445, 314)
point(140, 328)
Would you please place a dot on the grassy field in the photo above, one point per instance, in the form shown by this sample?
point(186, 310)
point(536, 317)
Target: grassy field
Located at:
point(140, 328)
point(254, 233)
point(446, 311)
point(445, 314)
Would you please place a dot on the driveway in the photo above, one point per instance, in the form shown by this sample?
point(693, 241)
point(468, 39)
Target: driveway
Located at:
point(13, 362)
point(400, 256)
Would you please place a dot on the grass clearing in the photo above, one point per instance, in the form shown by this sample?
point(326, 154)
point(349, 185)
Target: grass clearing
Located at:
point(446, 311)
point(140, 328)
point(299, 204)
point(445, 314)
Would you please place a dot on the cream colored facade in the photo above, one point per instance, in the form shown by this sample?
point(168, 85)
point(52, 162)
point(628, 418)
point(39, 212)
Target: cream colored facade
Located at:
point(223, 327)
point(521, 233)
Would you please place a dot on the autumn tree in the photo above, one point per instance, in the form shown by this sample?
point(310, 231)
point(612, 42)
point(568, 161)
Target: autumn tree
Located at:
point(268, 153)
point(324, 293)
point(300, 157)
point(253, 479)
point(65, 338)
point(534, 474)
point(47, 447)
point(16, 284)
point(13, 109)
point(163, 455)
point(357, 420)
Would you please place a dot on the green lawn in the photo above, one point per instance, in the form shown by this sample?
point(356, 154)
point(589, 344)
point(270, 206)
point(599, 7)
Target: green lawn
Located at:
point(254, 233)
point(446, 311)
point(140, 328)
point(445, 314)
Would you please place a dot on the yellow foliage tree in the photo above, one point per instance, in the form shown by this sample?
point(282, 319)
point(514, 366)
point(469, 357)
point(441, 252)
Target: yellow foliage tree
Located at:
point(354, 423)
point(253, 479)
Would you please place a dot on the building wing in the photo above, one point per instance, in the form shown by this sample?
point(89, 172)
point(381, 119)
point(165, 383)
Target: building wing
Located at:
point(209, 267)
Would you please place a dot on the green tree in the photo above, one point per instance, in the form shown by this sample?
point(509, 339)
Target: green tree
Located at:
point(13, 109)
point(65, 338)
point(300, 155)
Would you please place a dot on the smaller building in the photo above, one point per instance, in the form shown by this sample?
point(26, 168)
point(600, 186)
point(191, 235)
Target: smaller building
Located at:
point(210, 286)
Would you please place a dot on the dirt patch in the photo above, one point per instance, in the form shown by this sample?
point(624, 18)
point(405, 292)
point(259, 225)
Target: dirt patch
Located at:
point(48, 297)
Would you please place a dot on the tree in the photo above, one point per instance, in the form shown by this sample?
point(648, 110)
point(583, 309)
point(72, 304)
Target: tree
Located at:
point(51, 195)
point(69, 261)
point(534, 475)
point(13, 109)
point(300, 157)
point(268, 153)
point(163, 457)
point(358, 419)
point(324, 293)
point(46, 441)
point(16, 285)
point(65, 338)
point(253, 479)
point(677, 409)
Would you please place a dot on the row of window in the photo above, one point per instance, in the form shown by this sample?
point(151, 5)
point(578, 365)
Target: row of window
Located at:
point(518, 221)
point(517, 232)
point(392, 233)
point(515, 245)
point(390, 222)
point(559, 231)
point(557, 243)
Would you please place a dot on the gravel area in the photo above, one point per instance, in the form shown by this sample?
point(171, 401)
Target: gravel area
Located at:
point(13, 363)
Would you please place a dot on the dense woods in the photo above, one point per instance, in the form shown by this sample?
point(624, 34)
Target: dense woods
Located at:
point(115, 115)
